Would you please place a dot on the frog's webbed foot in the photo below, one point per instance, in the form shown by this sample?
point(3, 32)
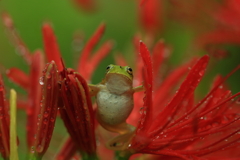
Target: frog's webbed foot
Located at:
point(121, 142)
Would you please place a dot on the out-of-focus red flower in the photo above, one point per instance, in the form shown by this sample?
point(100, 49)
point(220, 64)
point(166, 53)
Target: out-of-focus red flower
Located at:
point(227, 30)
point(150, 15)
point(4, 123)
point(87, 62)
point(87, 5)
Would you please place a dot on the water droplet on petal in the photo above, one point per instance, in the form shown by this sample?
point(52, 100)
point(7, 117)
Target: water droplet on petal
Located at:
point(49, 86)
point(41, 81)
point(39, 148)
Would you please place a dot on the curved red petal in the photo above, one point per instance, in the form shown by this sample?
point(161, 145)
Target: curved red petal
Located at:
point(50, 46)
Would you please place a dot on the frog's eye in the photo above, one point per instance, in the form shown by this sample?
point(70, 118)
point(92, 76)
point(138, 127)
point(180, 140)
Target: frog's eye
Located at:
point(129, 70)
point(108, 67)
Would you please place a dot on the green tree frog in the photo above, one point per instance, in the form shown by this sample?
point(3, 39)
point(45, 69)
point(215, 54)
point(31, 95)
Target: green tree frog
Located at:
point(114, 98)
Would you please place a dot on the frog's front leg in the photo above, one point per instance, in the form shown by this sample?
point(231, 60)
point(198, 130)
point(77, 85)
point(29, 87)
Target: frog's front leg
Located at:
point(93, 89)
point(138, 89)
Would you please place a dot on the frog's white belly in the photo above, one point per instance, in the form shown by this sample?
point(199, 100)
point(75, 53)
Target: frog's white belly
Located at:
point(113, 109)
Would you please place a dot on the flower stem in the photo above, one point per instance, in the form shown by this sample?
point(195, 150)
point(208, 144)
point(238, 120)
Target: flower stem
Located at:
point(13, 134)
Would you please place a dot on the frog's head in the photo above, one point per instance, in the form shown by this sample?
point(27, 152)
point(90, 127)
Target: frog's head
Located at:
point(119, 71)
point(118, 79)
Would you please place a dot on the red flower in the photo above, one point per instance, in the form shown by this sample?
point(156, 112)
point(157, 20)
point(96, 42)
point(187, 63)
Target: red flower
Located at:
point(150, 15)
point(39, 126)
point(4, 124)
point(226, 16)
point(182, 129)
point(170, 124)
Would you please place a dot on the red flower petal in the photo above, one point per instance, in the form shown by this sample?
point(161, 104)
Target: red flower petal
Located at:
point(160, 52)
point(19, 77)
point(4, 124)
point(34, 96)
point(67, 151)
point(219, 36)
point(186, 89)
point(97, 58)
point(146, 111)
point(49, 108)
point(150, 15)
point(83, 61)
point(51, 46)
point(162, 92)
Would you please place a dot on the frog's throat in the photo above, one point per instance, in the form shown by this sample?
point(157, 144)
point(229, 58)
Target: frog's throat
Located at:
point(118, 83)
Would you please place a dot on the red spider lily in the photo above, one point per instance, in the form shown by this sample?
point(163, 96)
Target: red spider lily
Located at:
point(150, 13)
point(227, 31)
point(208, 127)
point(4, 124)
point(88, 64)
point(38, 140)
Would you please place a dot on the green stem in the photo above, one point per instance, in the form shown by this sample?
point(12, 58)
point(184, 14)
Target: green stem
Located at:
point(13, 133)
